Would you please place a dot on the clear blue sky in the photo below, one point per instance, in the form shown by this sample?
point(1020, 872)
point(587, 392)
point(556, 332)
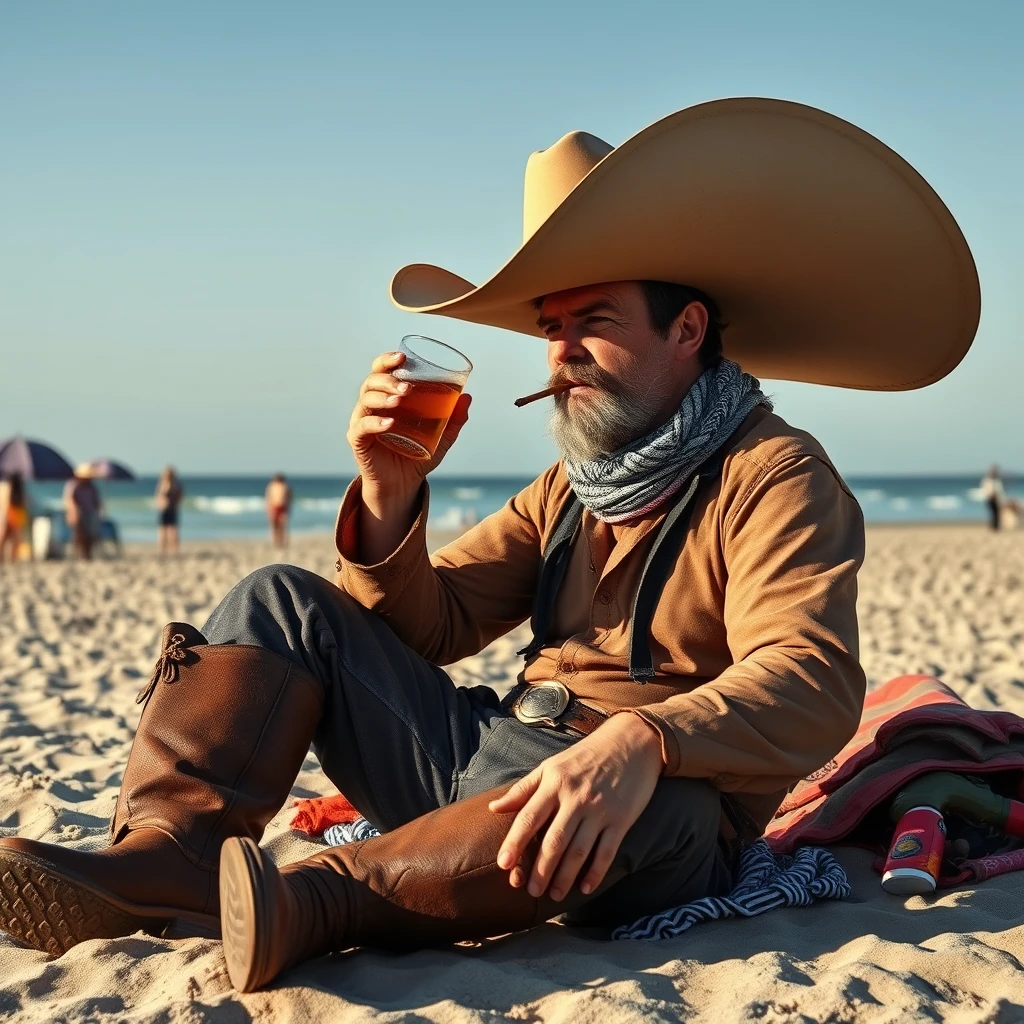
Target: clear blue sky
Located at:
point(201, 204)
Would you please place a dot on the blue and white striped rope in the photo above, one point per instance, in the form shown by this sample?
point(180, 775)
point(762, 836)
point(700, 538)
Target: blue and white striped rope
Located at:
point(766, 882)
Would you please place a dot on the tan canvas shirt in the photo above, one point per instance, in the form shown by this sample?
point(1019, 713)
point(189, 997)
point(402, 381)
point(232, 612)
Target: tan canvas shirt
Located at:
point(754, 638)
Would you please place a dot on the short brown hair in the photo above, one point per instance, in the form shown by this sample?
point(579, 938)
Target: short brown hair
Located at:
point(666, 301)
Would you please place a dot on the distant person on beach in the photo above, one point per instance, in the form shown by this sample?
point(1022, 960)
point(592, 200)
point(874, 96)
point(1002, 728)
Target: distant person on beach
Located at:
point(994, 494)
point(688, 568)
point(279, 503)
point(83, 510)
point(13, 514)
point(167, 499)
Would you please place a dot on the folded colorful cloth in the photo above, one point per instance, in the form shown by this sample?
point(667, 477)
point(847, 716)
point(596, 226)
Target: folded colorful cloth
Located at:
point(910, 726)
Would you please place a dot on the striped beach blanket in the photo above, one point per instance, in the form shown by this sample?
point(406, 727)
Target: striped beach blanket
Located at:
point(910, 726)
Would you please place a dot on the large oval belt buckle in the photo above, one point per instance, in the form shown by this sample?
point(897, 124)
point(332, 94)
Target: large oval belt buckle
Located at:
point(542, 703)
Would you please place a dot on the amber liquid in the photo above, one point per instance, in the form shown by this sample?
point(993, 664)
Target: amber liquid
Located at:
point(420, 418)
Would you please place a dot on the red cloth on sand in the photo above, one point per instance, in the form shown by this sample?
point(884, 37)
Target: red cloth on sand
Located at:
point(316, 815)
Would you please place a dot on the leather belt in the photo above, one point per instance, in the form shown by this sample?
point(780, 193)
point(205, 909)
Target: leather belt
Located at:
point(551, 703)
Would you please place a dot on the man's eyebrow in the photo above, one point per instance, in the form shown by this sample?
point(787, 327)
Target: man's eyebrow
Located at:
point(593, 307)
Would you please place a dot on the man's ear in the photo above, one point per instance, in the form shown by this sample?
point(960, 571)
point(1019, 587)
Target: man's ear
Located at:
point(688, 329)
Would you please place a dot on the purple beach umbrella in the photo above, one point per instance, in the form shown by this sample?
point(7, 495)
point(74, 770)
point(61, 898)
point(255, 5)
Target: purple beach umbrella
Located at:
point(107, 469)
point(33, 460)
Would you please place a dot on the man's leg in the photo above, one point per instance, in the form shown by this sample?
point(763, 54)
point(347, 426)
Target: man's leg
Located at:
point(436, 880)
point(222, 736)
point(395, 733)
point(671, 856)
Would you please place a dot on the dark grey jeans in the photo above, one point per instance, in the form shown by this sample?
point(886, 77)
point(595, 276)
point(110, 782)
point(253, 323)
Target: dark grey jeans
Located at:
point(399, 738)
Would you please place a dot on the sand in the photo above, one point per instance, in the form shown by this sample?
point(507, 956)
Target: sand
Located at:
point(77, 642)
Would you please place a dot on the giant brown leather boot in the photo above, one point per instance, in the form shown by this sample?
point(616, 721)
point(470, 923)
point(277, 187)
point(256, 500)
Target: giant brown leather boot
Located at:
point(222, 737)
point(432, 881)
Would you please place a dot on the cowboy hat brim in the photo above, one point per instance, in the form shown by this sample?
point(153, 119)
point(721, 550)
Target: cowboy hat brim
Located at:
point(832, 260)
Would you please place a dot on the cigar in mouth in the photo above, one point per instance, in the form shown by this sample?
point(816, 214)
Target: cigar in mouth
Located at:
point(546, 393)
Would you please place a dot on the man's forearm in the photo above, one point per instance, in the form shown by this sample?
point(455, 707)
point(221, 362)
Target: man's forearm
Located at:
point(384, 521)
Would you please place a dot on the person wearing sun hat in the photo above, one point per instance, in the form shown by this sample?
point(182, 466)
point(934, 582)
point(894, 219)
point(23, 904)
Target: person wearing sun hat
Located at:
point(83, 509)
point(688, 568)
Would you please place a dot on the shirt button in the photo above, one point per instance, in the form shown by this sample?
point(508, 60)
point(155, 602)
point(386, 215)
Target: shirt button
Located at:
point(565, 666)
point(604, 596)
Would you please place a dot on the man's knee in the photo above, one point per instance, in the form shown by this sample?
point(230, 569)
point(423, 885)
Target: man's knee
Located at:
point(683, 814)
point(282, 585)
point(667, 858)
point(276, 599)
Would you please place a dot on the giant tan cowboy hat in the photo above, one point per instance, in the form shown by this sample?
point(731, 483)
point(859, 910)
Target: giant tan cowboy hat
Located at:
point(831, 258)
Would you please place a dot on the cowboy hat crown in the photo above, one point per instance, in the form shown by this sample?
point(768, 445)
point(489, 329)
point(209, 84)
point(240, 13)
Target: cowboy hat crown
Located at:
point(551, 174)
point(831, 259)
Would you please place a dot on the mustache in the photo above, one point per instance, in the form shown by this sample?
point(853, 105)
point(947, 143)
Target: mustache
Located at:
point(589, 374)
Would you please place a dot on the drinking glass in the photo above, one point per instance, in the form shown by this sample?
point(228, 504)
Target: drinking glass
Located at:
point(436, 374)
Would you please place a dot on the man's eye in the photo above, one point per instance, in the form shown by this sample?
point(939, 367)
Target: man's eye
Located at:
point(597, 321)
point(552, 329)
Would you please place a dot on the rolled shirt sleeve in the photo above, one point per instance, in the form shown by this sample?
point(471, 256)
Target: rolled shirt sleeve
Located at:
point(451, 604)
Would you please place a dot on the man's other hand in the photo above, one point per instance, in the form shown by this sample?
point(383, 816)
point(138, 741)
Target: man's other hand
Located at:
point(588, 796)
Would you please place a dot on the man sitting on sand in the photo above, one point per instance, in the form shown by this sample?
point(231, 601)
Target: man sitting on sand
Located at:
point(695, 632)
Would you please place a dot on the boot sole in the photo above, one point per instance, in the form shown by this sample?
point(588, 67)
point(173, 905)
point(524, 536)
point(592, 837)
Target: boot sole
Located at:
point(51, 909)
point(243, 911)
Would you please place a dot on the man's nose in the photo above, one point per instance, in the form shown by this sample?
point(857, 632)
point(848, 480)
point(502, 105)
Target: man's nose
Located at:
point(565, 348)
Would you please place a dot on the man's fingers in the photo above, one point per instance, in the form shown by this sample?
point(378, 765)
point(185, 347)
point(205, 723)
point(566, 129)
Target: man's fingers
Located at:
point(452, 429)
point(384, 382)
point(461, 411)
point(371, 401)
point(368, 425)
point(554, 846)
point(516, 795)
point(607, 847)
point(387, 361)
point(578, 850)
point(528, 822)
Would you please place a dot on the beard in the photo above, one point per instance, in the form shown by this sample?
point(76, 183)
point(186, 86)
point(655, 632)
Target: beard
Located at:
point(622, 408)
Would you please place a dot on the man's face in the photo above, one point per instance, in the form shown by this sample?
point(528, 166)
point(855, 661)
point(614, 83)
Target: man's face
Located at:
point(601, 337)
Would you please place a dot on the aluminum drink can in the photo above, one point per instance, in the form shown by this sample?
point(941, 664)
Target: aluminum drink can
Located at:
point(912, 866)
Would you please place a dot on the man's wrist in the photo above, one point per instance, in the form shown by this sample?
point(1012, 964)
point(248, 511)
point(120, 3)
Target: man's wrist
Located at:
point(384, 521)
point(643, 734)
point(386, 503)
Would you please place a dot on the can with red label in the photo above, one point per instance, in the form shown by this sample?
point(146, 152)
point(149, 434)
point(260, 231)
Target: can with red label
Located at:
point(912, 867)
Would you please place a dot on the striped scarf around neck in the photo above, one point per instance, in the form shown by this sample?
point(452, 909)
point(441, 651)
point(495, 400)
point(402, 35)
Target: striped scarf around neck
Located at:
point(632, 481)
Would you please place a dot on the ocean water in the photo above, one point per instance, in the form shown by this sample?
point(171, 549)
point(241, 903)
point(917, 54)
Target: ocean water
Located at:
point(221, 507)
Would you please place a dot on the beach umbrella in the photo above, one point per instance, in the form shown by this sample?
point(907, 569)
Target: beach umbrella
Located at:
point(105, 469)
point(33, 460)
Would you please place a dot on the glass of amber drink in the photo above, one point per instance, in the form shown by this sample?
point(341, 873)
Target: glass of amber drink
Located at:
point(436, 374)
